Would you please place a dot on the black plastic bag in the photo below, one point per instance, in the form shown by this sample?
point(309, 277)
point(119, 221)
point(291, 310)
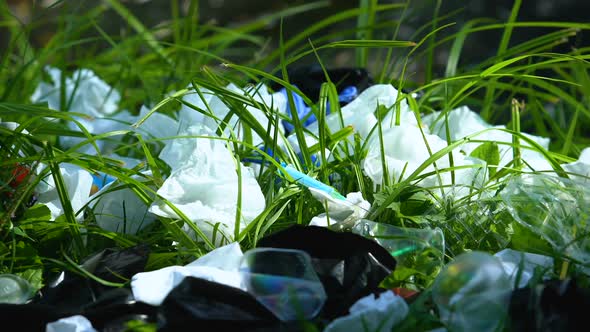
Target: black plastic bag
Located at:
point(309, 80)
point(199, 302)
point(348, 265)
point(555, 305)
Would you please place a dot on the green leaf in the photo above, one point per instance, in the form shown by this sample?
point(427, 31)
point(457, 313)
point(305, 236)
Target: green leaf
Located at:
point(37, 212)
point(490, 153)
point(34, 277)
point(527, 241)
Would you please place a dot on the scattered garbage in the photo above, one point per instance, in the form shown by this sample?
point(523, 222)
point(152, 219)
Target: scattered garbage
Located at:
point(75, 323)
point(204, 185)
point(14, 289)
point(284, 281)
point(556, 209)
point(371, 313)
point(520, 266)
point(421, 249)
point(472, 293)
point(348, 265)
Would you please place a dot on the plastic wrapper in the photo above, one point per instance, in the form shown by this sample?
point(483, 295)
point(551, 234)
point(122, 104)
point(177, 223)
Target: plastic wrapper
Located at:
point(556, 209)
point(14, 289)
point(422, 249)
point(284, 281)
point(71, 291)
point(204, 185)
point(348, 265)
point(196, 302)
point(520, 266)
point(472, 293)
point(75, 323)
point(370, 313)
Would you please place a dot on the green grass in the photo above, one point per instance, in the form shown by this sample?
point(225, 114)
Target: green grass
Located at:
point(520, 86)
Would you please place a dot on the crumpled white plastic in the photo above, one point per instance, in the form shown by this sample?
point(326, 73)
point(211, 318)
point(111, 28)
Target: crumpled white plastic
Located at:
point(220, 110)
point(204, 186)
point(78, 182)
point(372, 314)
point(360, 112)
point(121, 210)
point(342, 212)
point(220, 265)
point(75, 323)
point(405, 150)
point(511, 260)
point(463, 122)
point(157, 125)
point(580, 169)
point(87, 94)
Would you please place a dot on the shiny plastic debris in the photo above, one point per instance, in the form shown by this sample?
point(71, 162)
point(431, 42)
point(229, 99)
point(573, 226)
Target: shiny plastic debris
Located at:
point(370, 313)
point(520, 266)
point(418, 248)
point(472, 293)
point(75, 323)
point(284, 281)
point(556, 209)
point(348, 265)
point(14, 289)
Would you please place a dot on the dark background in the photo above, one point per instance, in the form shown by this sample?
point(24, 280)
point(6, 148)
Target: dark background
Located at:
point(41, 17)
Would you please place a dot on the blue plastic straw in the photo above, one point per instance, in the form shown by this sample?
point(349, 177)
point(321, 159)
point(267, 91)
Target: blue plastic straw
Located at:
point(310, 182)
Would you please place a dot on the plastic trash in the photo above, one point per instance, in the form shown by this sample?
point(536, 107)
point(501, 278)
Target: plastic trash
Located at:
point(71, 291)
point(348, 265)
point(472, 293)
point(15, 289)
point(78, 182)
point(406, 149)
point(199, 302)
point(422, 249)
point(463, 121)
point(310, 78)
point(75, 323)
point(556, 209)
point(341, 214)
point(579, 170)
point(117, 208)
point(204, 185)
point(284, 281)
point(304, 112)
point(220, 265)
point(370, 313)
point(521, 265)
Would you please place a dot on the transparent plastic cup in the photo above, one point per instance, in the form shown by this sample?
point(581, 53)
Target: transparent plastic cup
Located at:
point(422, 249)
point(284, 281)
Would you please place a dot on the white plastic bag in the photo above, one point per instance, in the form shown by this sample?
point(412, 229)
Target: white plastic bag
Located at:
point(204, 185)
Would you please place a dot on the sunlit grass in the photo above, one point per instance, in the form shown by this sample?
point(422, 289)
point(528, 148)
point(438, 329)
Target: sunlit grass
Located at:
point(526, 87)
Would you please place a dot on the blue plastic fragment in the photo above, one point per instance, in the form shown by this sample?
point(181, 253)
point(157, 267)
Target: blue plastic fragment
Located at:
point(310, 182)
point(303, 111)
point(99, 180)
